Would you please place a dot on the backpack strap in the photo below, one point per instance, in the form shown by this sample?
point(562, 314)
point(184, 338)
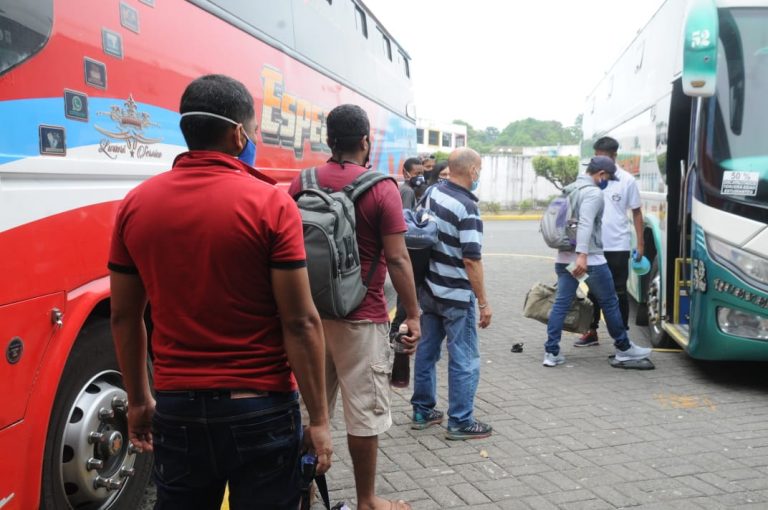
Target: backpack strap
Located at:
point(322, 487)
point(309, 178)
point(364, 182)
point(576, 201)
point(355, 190)
point(422, 203)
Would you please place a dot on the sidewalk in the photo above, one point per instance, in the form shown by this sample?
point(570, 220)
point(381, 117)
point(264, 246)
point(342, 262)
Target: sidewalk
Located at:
point(580, 436)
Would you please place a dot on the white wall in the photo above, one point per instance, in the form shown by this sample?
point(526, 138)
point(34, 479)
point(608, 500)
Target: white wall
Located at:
point(509, 179)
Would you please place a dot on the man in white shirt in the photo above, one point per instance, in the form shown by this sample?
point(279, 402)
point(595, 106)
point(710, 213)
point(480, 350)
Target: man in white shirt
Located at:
point(619, 196)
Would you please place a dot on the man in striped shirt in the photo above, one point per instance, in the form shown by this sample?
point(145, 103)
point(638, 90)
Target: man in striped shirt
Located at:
point(454, 287)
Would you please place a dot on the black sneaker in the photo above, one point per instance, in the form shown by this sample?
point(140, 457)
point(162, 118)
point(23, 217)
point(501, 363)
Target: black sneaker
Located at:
point(476, 430)
point(420, 421)
point(588, 339)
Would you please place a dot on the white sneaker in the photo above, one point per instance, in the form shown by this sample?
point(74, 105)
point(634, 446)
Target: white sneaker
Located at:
point(550, 360)
point(634, 353)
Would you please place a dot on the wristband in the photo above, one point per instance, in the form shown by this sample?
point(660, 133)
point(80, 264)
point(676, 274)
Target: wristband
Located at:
point(482, 306)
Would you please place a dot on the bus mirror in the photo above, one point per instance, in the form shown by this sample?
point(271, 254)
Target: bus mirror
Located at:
point(700, 49)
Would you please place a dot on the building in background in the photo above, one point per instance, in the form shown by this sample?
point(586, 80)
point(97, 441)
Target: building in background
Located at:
point(433, 136)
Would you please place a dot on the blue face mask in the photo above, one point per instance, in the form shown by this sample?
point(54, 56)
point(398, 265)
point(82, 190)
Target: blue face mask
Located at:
point(603, 184)
point(248, 154)
point(475, 183)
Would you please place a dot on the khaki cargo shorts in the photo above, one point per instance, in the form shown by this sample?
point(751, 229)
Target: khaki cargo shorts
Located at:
point(358, 360)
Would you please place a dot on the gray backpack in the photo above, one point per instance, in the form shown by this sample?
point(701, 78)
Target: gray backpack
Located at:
point(330, 240)
point(560, 220)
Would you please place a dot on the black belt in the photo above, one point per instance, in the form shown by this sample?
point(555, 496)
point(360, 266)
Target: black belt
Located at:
point(221, 394)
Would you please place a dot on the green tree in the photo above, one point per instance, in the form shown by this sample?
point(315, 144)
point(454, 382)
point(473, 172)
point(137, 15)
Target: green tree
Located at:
point(560, 171)
point(441, 156)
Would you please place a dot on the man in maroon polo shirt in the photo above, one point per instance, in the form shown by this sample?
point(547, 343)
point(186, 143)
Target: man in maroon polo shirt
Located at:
point(358, 353)
point(218, 251)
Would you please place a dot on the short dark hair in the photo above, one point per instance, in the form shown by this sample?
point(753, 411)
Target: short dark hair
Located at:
point(347, 124)
point(435, 175)
point(410, 163)
point(606, 144)
point(213, 93)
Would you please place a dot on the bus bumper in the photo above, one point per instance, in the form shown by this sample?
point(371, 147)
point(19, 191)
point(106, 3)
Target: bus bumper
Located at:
point(729, 317)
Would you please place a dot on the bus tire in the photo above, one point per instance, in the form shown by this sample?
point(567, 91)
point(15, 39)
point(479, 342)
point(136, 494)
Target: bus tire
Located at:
point(659, 337)
point(87, 459)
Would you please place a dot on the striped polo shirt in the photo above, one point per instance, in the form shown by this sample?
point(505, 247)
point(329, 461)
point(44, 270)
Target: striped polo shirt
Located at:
point(460, 234)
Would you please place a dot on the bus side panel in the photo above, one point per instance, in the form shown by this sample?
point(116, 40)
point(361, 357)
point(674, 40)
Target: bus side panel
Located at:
point(24, 442)
point(27, 327)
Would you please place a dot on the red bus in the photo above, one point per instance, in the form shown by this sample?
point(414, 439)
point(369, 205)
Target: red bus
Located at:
point(89, 95)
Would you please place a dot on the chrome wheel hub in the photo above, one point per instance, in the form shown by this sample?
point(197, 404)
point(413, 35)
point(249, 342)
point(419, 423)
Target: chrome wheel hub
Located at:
point(96, 458)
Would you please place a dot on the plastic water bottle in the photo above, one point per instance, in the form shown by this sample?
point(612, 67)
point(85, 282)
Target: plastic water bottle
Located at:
point(401, 368)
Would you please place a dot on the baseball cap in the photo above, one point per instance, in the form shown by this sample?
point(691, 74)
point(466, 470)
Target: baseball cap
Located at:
point(604, 164)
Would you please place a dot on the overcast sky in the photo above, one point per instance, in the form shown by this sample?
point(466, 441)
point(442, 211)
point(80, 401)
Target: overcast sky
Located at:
point(491, 62)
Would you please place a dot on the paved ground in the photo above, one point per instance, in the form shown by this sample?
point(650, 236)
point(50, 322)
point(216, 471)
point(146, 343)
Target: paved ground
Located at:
point(584, 435)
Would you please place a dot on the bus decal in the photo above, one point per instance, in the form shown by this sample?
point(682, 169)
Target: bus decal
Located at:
point(131, 125)
point(736, 291)
point(287, 120)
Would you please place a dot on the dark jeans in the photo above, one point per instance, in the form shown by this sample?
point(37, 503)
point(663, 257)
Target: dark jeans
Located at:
point(459, 326)
point(205, 439)
point(600, 279)
point(618, 263)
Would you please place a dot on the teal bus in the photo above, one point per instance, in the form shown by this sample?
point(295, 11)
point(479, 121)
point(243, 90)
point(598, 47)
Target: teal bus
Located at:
point(688, 103)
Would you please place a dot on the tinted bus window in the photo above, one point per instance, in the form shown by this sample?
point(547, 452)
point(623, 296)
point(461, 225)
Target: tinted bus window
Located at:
point(25, 26)
point(276, 21)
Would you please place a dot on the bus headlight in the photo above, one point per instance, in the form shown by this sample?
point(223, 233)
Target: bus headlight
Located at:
point(743, 324)
point(748, 266)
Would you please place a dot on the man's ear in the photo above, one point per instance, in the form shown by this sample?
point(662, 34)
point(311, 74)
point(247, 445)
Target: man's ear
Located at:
point(236, 140)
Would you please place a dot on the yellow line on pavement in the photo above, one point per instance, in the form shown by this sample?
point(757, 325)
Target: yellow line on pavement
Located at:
point(225, 504)
point(667, 350)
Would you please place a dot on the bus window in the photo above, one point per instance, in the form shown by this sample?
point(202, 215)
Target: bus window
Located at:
point(25, 26)
point(276, 22)
point(386, 46)
point(360, 23)
point(406, 66)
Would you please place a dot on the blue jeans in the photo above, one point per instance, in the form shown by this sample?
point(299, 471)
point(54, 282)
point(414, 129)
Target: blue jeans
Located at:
point(460, 326)
point(205, 439)
point(601, 284)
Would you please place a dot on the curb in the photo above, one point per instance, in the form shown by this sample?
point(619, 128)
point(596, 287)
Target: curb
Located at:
point(511, 217)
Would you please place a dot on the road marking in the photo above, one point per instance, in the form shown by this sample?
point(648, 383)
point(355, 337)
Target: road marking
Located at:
point(225, 503)
point(684, 401)
point(667, 350)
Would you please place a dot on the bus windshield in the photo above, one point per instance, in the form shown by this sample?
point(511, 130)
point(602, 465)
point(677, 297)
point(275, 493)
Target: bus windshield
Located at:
point(736, 154)
point(25, 26)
